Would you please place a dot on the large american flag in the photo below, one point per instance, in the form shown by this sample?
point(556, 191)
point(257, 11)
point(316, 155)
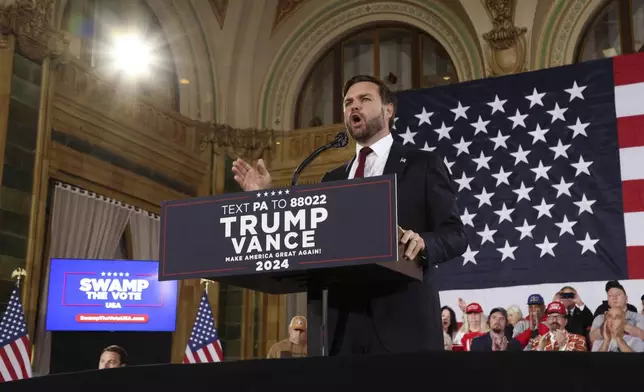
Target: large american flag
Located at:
point(15, 347)
point(549, 168)
point(204, 344)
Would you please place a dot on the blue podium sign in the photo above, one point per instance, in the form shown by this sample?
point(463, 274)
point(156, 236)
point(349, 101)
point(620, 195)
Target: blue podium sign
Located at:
point(326, 225)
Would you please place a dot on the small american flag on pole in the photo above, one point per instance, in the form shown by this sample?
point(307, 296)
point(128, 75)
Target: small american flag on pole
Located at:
point(14, 342)
point(204, 345)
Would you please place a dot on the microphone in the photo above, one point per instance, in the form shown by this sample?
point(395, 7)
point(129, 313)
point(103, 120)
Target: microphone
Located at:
point(340, 140)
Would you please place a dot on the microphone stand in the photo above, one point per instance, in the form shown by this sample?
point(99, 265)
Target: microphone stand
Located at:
point(340, 140)
point(316, 295)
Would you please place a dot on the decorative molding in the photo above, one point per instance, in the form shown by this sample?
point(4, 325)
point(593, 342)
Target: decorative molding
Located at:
point(561, 32)
point(283, 10)
point(504, 34)
point(296, 58)
point(238, 143)
point(505, 43)
point(219, 7)
point(31, 22)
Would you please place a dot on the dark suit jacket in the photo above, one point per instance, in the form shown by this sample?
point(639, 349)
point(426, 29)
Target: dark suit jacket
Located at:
point(484, 343)
point(580, 321)
point(407, 318)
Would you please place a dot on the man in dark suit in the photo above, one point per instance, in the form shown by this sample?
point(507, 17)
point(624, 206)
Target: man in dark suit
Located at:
point(496, 339)
point(389, 319)
point(580, 318)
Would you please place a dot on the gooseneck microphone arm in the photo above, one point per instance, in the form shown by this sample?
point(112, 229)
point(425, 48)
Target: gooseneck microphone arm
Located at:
point(340, 140)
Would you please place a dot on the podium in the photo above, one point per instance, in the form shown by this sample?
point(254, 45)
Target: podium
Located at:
point(305, 238)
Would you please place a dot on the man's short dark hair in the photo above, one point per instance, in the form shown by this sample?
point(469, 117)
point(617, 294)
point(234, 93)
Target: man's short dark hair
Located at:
point(119, 350)
point(386, 95)
point(613, 284)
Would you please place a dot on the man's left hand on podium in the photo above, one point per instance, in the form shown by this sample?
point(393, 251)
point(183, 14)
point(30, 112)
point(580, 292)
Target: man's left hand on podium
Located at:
point(414, 244)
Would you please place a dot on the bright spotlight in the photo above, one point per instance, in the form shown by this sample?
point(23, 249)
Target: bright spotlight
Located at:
point(131, 54)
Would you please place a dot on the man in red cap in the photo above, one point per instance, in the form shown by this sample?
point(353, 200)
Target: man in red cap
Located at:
point(558, 339)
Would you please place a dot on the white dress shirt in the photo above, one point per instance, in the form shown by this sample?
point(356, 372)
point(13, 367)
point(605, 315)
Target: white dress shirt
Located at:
point(376, 161)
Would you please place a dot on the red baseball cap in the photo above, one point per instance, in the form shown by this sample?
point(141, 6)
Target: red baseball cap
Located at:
point(473, 308)
point(556, 307)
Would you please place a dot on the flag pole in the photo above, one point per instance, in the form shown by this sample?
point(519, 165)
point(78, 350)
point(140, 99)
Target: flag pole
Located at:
point(18, 274)
point(207, 282)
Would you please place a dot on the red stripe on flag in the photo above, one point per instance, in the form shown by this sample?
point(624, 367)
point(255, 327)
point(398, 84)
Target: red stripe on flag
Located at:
point(220, 353)
point(628, 69)
point(635, 257)
point(4, 360)
point(18, 354)
point(206, 352)
point(633, 195)
point(630, 131)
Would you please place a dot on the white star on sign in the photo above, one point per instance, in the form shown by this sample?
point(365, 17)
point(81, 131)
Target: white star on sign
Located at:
point(523, 192)
point(480, 126)
point(565, 226)
point(575, 92)
point(443, 131)
point(520, 155)
point(518, 119)
point(541, 171)
point(484, 198)
point(467, 218)
point(579, 128)
point(535, 98)
point(423, 117)
point(504, 213)
point(502, 177)
point(408, 137)
point(584, 204)
point(581, 166)
point(102, 273)
point(543, 208)
point(259, 194)
point(468, 256)
point(560, 149)
point(563, 188)
point(497, 104)
point(526, 229)
point(460, 111)
point(507, 251)
point(428, 148)
point(557, 113)
point(538, 134)
point(462, 146)
point(463, 182)
point(546, 247)
point(486, 235)
point(482, 161)
point(499, 140)
point(588, 244)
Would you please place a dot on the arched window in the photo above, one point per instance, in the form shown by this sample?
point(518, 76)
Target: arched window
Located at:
point(618, 28)
point(402, 56)
point(94, 25)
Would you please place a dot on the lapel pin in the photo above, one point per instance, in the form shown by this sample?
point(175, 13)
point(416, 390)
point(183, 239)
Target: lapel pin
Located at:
point(403, 160)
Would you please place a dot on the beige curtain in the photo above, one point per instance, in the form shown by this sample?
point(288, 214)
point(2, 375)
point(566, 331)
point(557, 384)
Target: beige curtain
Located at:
point(145, 229)
point(83, 225)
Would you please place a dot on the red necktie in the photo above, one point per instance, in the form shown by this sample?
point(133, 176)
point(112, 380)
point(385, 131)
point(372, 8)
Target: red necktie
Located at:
point(362, 157)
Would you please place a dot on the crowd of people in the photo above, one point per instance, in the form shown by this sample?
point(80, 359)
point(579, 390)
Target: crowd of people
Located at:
point(564, 324)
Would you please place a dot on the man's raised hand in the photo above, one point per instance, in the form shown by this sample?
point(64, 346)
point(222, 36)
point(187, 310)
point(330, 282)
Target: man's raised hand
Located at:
point(251, 178)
